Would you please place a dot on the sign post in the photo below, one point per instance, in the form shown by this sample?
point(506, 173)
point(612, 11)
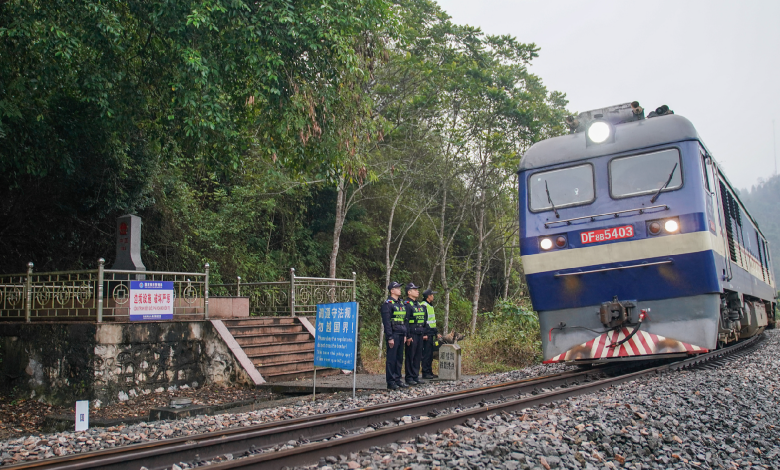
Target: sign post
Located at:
point(335, 344)
point(151, 300)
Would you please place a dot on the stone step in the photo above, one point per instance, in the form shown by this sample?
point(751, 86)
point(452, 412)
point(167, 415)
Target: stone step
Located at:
point(285, 368)
point(244, 330)
point(302, 374)
point(255, 340)
point(255, 321)
point(268, 359)
point(278, 348)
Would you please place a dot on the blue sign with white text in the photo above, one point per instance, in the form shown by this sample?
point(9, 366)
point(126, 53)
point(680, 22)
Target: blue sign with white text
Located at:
point(151, 300)
point(334, 344)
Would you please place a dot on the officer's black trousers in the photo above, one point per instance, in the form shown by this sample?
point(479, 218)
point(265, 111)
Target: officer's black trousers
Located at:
point(395, 358)
point(413, 357)
point(427, 356)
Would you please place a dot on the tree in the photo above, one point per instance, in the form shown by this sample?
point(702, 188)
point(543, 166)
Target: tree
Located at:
point(495, 108)
point(103, 96)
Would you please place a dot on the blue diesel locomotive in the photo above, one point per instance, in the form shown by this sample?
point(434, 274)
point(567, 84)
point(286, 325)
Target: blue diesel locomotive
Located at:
point(635, 244)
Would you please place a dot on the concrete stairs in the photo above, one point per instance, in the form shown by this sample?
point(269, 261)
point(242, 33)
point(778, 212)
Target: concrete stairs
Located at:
point(281, 348)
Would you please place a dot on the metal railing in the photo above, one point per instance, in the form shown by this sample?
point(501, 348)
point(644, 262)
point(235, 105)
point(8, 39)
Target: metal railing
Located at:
point(97, 294)
point(104, 294)
point(298, 296)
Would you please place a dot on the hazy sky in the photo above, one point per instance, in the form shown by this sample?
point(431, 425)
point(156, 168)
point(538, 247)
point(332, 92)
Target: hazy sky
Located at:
point(715, 62)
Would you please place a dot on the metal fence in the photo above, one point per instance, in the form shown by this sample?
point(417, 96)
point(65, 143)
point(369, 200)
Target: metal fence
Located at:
point(297, 296)
point(98, 294)
point(104, 294)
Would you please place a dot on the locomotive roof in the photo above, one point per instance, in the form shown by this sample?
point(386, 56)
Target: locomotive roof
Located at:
point(628, 136)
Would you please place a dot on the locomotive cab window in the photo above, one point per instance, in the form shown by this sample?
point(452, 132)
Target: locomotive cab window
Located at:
point(647, 173)
point(565, 187)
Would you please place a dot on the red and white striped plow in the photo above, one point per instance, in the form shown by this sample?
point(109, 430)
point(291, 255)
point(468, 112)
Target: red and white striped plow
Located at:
point(641, 344)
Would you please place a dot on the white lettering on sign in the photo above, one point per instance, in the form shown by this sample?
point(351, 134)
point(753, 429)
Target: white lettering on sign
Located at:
point(334, 345)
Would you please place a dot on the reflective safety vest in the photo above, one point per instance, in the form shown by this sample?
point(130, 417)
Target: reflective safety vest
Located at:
point(399, 311)
point(431, 314)
point(418, 313)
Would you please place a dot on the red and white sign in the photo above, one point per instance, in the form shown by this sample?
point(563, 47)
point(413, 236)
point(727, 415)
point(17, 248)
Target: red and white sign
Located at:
point(616, 233)
point(151, 300)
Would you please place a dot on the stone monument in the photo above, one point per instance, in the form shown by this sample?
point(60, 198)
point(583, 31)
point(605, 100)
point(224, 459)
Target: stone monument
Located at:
point(128, 244)
point(449, 362)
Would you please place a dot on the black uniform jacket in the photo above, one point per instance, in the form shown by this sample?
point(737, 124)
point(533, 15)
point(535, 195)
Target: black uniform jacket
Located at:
point(410, 318)
point(387, 318)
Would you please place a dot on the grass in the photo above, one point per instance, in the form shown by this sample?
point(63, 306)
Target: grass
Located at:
point(501, 344)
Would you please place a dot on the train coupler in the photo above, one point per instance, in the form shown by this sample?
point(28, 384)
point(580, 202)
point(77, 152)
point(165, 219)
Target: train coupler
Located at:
point(616, 313)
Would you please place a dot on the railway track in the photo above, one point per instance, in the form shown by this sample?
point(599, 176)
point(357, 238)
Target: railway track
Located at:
point(334, 433)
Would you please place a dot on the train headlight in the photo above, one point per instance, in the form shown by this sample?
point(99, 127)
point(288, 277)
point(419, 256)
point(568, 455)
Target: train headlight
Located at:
point(599, 132)
point(671, 226)
point(560, 242)
point(546, 243)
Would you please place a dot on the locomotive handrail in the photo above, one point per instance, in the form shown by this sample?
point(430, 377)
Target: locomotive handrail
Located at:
point(593, 217)
point(613, 269)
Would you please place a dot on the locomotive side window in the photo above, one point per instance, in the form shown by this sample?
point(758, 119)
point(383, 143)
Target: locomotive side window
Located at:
point(707, 174)
point(761, 255)
point(645, 174)
point(729, 217)
point(565, 187)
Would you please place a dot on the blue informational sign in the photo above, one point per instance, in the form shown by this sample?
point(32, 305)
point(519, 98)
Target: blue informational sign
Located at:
point(334, 344)
point(151, 300)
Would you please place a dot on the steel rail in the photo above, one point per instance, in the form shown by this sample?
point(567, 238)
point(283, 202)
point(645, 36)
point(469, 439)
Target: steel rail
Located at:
point(311, 453)
point(237, 441)
point(163, 453)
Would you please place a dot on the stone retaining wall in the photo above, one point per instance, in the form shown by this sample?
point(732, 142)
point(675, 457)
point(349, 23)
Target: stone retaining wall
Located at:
point(64, 362)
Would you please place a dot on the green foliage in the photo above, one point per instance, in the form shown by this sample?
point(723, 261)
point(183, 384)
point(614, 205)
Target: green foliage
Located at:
point(226, 125)
point(500, 346)
point(516, 312)
point(104, 99)
point(508, 339)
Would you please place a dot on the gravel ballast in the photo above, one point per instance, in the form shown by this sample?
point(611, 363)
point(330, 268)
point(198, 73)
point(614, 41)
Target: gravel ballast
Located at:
point(726, 417)
point(706, 418)
point(40, 446)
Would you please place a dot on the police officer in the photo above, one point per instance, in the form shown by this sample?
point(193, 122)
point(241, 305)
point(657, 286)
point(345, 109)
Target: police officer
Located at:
point(417, 317)
point(431, 338)
point(394, 322)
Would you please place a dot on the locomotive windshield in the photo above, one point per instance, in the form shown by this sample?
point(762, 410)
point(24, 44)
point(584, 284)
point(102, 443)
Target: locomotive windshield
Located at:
point(571, 186)
point(645, 173)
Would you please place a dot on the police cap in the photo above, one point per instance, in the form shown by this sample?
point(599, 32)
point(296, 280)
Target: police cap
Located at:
point(411, 286)
point(393, 285)
point(429, 292)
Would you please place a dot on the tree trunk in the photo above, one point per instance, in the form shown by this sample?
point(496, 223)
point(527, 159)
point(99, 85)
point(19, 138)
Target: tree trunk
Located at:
point(388, 265)
point(339, 224)
point(429, 285)
point(443, 261)
point(478, 264)
point(508, 271)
